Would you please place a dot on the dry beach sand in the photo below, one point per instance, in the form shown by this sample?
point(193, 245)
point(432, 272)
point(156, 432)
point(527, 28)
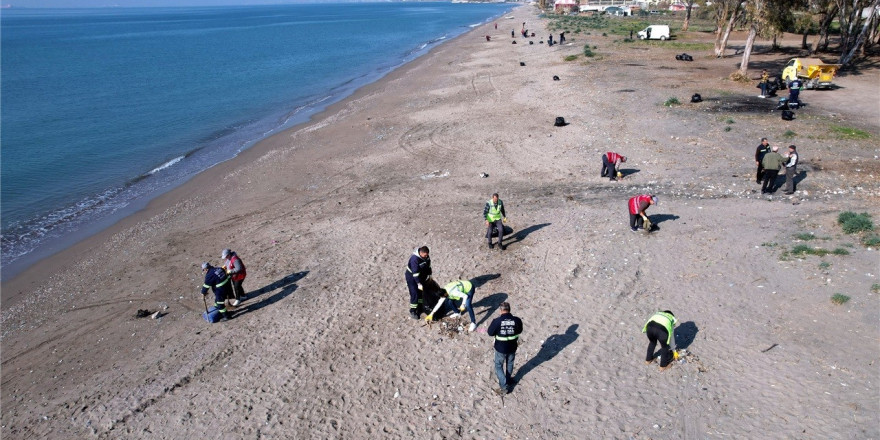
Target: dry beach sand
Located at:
point(326, 215)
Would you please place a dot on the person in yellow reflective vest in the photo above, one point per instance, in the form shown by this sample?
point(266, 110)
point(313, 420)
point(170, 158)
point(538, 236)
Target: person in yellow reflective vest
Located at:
point(659, 329)
point(495, 216)
point(460, 295)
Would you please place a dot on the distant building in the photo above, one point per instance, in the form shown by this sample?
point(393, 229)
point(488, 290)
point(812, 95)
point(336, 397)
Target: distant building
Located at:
point(565, 5)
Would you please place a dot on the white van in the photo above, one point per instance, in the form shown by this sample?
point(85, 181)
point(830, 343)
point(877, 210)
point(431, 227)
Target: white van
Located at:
point(655, 32)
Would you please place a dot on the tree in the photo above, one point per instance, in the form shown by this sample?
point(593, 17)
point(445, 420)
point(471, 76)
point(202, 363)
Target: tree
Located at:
point(727, 14)
point(687, 16)
point(849, 50)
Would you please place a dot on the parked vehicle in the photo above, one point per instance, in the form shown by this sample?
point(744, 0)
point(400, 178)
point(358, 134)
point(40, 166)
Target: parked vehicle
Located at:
point(814, 72)
point(655, 32)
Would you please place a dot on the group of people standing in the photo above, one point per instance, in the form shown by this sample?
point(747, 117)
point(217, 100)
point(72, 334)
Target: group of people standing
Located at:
point(770, 162)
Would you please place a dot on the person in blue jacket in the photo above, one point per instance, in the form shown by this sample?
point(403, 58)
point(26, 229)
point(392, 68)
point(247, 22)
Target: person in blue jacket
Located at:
point(217, 280)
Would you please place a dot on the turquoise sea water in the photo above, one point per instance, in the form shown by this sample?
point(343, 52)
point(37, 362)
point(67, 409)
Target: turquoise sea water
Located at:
point(103, 109)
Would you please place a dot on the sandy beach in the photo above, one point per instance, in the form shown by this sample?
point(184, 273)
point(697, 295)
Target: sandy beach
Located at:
point(326, 215)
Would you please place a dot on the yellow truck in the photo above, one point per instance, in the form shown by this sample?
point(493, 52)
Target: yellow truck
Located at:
point(814, 72)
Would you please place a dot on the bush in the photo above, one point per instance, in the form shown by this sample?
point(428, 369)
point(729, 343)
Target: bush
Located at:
point(728, 128)
point(588, 52)
point(872, 240)
point(570, 58)
point(840, 251)
point(852, 223)
point(789, 134)
point(672, 101)
point(804, 236)
point(839, 298)
point(824, 265)
point(875, 288)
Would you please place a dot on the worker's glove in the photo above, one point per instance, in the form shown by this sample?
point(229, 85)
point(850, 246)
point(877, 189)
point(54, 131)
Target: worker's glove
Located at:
point(461, 309)
point(429, 318)
point(203, 293)
point(504, 220)
point(619, 175)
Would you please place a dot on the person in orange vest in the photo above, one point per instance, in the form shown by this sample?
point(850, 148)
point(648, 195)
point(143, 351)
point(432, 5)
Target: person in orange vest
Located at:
point(659, 329)
point(637, 207)
point(611, 165)
point(235, 268)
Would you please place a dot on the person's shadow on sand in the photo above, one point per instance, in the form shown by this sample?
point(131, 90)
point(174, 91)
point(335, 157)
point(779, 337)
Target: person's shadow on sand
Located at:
point(685, 334)
point(287, 285)
point(521, 235)
point(554, 345)
point(656, 219)
point(491, 302)
point(483, 279)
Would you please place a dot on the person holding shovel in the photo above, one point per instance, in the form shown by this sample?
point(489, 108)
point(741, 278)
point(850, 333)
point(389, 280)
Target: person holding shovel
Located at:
point(637, 207)
point(217, 280)
point(237, 273)
point(418, 273)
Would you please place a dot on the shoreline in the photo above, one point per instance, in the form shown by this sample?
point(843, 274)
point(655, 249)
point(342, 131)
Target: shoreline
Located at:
point(55, 262)
point(324, 346)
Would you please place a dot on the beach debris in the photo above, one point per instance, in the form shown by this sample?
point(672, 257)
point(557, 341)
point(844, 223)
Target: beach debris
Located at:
point(531, 42)
point(156, 315)
point(560, 122)
point(684, 57)
point(696, 98)
point(513, 42)
point(143, 313)
point(484, 175)
point(769, 348)
point(555, 78)
point(522, 63)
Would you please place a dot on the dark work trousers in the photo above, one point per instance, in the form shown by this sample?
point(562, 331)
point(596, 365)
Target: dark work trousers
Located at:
point(769, 184)
point(499, 224)
point(237, 289)
point(760, 176)
point(607, 168)
point(415, 299)
point(220, 296)
point(635, 221)
point(790, 172)
point(657, 333)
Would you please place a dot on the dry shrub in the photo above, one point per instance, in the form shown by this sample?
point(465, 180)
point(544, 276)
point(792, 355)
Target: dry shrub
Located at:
point(739, 77)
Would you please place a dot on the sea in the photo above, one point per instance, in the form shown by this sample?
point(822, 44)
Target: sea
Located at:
point(104, 109)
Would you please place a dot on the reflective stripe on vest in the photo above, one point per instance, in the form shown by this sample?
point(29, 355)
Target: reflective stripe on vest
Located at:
point(494, 213)
point(506, 338)
point(462, 286)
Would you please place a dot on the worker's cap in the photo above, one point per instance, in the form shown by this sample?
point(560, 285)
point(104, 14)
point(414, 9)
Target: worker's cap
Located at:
point(206, 265)
point(225, 253)
point(654, 200)
point(775, 148)
point(623, 158)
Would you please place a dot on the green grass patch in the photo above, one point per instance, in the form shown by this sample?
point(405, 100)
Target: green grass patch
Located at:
point(802, 250)
point(728, 128)
point(849, 132)
point(840, 251)
point(852, 223)
point(588, 52)
point(806, 236)
point(570, 58)
point(839, 298)
point(789, 134)
point(672, 101)
point(824, 265)
point(872, 240)
point(770, 244)
point(730, 121)
point(875, 288)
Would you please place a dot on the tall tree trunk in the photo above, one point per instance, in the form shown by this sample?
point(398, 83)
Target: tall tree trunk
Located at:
point(687, 16)
point(847, 57)
point(824, 26)
point(747, 52)
point(719, 51)
point(804, 41)
point(720, 19)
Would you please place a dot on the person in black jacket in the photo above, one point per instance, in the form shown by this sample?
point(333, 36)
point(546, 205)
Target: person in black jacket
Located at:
point(418, 271)
point(217, 280)
point(763, 148)
point(506, 330)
